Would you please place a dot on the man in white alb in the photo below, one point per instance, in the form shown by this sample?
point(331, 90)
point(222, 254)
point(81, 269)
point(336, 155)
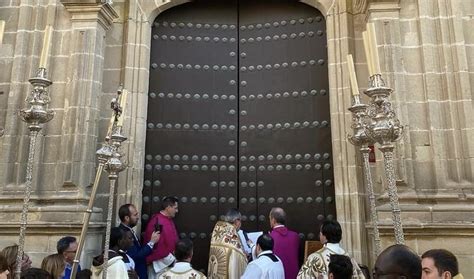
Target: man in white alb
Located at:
point(267, 265)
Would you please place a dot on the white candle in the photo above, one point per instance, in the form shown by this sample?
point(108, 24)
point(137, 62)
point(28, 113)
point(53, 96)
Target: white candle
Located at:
point(352, 75)
point(46, 45)
point(123, 103)
point(373, 47)
point(368, 55)
point(2, 30)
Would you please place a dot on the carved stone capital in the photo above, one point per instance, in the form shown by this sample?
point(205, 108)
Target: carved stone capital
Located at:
point(93, 11)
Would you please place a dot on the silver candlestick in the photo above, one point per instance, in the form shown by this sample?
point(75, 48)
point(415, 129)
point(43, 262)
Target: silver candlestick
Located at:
point(113, 166)
point(384, 128)
point(103, 156)
point(360, 139)
point(35, 116)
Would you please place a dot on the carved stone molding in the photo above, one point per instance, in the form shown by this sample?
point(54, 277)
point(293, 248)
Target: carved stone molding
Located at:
point(91, 11)
point(359, 6)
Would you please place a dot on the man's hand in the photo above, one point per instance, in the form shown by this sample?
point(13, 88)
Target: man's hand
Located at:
point(132, 274)
point(249, 243)
point(155, 236)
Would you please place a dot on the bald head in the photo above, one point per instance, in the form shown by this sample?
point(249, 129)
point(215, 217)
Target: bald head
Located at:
point(278, 215)
point(398, 260)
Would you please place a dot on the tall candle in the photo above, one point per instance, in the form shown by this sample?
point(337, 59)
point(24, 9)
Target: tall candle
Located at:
point(2, 30)
point(373, 47)
point(123, 103)
point(368, 55)
point(352, 75)
point(46, 46)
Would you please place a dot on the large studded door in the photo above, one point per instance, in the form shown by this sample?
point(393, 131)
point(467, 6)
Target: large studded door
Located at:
point(238, 116)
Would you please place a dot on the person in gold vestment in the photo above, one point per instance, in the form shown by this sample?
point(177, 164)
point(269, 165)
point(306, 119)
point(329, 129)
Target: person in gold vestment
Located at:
point(182, 268)
point(227, 260)
point(316, 266)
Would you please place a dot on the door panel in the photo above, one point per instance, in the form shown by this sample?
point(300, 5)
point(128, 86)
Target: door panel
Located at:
point(238, 116)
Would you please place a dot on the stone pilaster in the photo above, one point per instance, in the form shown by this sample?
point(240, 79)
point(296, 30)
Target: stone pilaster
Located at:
point(65, 164)
point(424, 47)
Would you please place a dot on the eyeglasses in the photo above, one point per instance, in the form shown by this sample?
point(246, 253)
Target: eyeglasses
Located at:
point(71, 251)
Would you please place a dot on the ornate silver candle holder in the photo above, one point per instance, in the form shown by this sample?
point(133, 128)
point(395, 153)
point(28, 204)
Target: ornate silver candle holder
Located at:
point(384, 128)
point(104, 154)
point(360, 139)
point(113, 166)
point(35, 116)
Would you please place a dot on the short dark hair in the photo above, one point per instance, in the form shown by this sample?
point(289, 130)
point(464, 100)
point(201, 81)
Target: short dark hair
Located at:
point(443, 260)
point(3, 263)
point(340, 266)
point(401, 258)
point(183, 249)
point(278, 214)
point(63, 243)
point(265, 241)
point(168, 201)
point(35, 273)
point(84, 274)
point(124, 211)
point(332, 230)
point(116, 234)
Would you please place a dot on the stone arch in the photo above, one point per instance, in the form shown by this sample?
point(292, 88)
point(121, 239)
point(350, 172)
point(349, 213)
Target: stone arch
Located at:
point(349, 199)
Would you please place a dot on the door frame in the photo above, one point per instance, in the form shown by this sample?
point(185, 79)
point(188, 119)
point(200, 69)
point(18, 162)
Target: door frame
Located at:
point(349, 196)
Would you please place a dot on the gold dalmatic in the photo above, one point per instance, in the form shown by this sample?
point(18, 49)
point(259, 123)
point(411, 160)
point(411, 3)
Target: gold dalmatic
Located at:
point(316, 266)
point(226, 257)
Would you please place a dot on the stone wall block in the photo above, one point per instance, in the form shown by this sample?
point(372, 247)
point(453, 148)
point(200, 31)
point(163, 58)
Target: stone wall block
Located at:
point(418, 116)
point(435, 87)
point(424, 172)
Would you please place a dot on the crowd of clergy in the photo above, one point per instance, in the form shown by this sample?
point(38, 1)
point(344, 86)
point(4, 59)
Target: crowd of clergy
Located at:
point(275, 254)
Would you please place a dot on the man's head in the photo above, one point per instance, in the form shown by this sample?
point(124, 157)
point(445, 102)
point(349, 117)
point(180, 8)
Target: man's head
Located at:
point(264, 243)
point(120, 239)
point(169, 206)
point(340, 267)
point(439, 264)
point(35, 273)
point(398, 261)
point(67, 246)
point(184, 250)
point(331, 232)
point(128, 215)
point(277, 217)
point(234, 217)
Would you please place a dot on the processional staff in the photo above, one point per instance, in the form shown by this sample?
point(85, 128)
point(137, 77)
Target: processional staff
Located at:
point(113, 166)
point(2, 31)
point(35, 116)
point(103, 156)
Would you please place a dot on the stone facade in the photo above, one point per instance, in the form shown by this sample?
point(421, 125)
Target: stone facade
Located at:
point(427, 55)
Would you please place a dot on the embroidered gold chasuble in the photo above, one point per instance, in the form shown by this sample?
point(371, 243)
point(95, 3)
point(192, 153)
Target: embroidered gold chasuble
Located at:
point(316, 265)
point(186, 272)
point(226, 257)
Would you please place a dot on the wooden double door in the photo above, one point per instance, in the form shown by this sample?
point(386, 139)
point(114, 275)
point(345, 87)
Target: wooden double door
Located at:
point(238, 117)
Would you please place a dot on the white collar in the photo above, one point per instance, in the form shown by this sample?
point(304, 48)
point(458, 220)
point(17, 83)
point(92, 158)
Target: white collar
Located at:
point(264, 253)
point(278, 226)
point(335, 247)
point(181, 267)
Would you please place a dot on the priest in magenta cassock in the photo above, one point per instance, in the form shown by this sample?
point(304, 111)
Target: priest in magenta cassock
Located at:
point(286, 242)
